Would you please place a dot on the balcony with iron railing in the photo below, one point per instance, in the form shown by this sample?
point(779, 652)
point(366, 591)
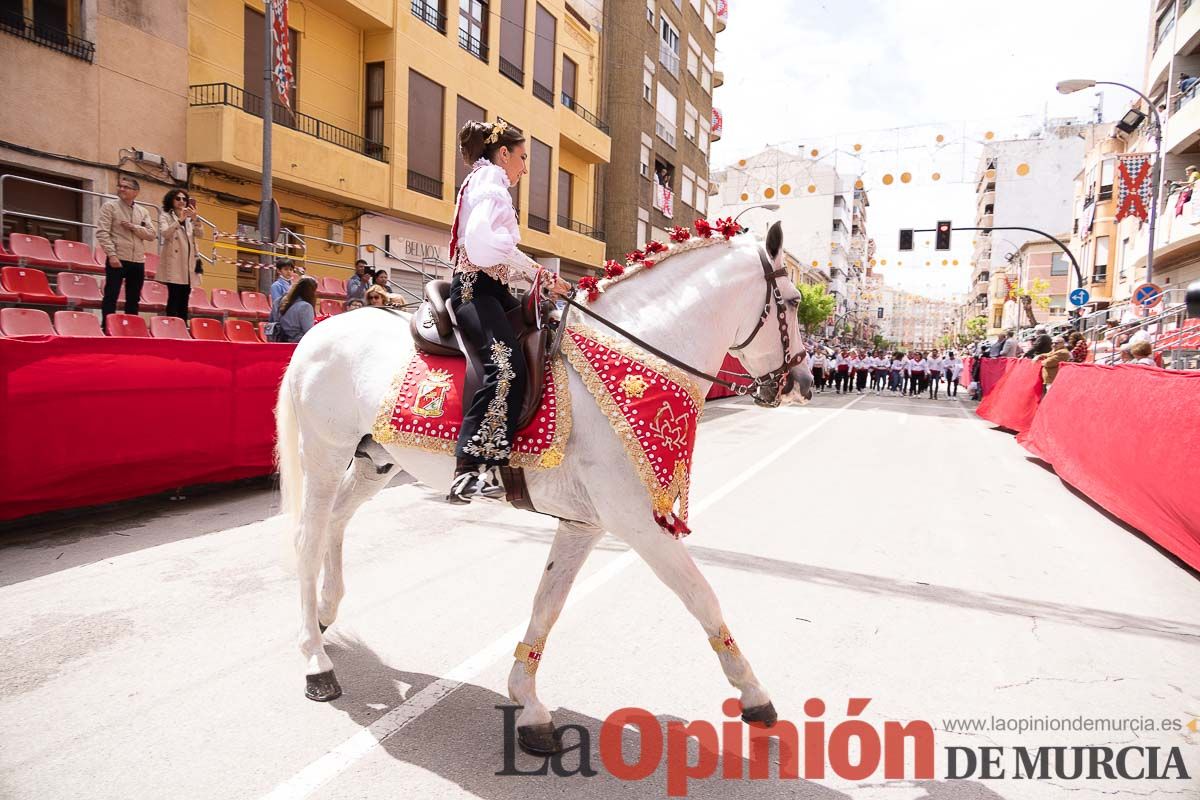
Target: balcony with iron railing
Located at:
point(472, 45)
point(47, 36)
point(543, 93)
point(424, 184)
point(225, 94)
point(430, 14)
point(668, 58)
point(539, 223)
point(580, 227)
point(569, 102)
point(512, 72)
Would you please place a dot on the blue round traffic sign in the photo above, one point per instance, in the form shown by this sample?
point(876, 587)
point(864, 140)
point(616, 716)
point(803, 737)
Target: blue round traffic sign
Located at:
point(1147, 294)
point(1080, 297)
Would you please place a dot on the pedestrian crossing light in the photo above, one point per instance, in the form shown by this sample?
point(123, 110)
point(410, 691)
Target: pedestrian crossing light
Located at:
point(943, 235)
point(906, 239)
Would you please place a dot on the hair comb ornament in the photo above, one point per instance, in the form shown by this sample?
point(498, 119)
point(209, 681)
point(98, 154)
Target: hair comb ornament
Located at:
point(498, 127)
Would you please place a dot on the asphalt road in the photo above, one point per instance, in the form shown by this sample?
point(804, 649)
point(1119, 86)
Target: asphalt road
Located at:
point(862, 547)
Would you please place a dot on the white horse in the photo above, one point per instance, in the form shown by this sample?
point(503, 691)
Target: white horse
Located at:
point(695, 306)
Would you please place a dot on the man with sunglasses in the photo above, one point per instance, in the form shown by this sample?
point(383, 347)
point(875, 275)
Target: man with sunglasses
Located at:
point(122, 231)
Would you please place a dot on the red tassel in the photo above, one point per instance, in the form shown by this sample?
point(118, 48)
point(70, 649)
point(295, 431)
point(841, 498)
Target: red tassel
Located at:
point(590, 285)
point(679, 234)
point(704, 229)
point(613, 269)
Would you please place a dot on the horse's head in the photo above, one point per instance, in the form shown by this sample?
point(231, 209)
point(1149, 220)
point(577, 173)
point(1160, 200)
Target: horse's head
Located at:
point(769, 344)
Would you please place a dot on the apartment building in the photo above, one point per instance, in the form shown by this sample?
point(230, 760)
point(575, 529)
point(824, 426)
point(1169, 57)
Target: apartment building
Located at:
point(824, 214)
point(366, 151)
point(85, 95)
point(659, 56)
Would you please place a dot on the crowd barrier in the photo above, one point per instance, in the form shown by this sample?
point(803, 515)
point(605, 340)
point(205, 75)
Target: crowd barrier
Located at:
point(1125, 436)
point(95, 420)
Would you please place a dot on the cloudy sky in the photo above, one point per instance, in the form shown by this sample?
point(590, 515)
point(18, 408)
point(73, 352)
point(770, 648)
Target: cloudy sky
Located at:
point(894, 75)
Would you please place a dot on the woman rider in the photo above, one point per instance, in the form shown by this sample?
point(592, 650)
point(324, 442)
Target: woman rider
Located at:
point(483, 249)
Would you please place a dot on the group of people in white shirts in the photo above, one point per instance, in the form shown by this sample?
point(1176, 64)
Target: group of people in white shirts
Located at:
point(913, 373)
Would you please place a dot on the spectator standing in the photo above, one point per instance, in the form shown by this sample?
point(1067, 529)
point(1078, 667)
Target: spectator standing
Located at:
point(1058, 355)
point(356, 287)
point(297, 310)
point(1008, 347)
point(122, 230)
point(381, 279)
point(177, 254)
point(1041, 345)
point(285, 276)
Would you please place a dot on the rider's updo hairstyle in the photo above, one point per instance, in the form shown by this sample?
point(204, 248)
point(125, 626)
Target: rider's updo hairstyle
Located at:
point(473, 140)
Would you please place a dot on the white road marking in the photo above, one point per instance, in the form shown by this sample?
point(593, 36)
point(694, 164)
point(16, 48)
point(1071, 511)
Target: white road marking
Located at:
point(336, 761)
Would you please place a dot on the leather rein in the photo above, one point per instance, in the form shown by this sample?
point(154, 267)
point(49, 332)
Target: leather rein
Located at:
point(777, 377)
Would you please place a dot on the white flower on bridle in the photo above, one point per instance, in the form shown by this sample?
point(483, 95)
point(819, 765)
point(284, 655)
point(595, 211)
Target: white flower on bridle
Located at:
point(498, 127)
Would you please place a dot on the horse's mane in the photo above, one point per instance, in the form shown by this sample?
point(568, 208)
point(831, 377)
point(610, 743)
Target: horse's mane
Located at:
point(643, 261)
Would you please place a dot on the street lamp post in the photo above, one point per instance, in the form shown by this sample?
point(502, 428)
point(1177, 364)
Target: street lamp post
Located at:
point(767, 206)
point(1071, 86)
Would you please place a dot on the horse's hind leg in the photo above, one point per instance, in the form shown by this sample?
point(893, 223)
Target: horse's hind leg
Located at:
point(673, 565)
point(322, 476)
point(571, 547)
point(360, 483)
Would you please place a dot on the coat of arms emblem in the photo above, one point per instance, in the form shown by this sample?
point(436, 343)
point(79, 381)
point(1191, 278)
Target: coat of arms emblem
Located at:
point(430, 400)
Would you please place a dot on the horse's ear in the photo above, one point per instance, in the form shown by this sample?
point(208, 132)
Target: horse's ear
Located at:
point(775, 241)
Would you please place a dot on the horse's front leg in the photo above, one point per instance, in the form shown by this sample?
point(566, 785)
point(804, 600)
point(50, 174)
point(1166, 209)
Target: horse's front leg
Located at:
point(673, 565)
point(572, 544)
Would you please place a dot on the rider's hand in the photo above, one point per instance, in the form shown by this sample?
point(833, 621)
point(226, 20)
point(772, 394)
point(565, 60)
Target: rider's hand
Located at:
point(560, 287)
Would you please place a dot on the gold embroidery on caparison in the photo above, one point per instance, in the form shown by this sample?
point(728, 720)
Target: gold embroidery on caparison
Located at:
point(491, 442)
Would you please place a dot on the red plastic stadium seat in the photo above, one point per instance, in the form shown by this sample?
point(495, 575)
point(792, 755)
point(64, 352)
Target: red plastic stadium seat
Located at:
point(198, 302)
point(257, 304)
point(169, 328)
point(331, 287)
point(151, 264)
point(34, 250)
point(154, 296)
point(77, 323)
point(207, 330)
point(9, 297)
point(7, 258)
point(82, 291)
point(329, 308)
point(239, 330)
point(101, 258)
point(31, 285)
point(76, 255)
point(126, 326)
point(226, 300)
point(261, 329)
point(25, 322)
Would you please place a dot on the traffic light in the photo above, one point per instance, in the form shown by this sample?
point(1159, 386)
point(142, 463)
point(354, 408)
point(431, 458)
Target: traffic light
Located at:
point(943, 235)
point(906, 238)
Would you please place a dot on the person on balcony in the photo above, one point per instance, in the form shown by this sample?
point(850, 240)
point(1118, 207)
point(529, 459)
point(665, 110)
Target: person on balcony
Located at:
point(483, 249)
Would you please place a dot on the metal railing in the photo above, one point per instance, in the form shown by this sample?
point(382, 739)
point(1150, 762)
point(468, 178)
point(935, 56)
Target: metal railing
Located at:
point(668, 58)
point(424, 184)
point(474, 46)
point(152, 208)
point(512, 72)
point(226, 94)
point(579, 227)
point(47, 36)
point(543, 93)
point(539, 223)
point(596, 122)
point(429, 14)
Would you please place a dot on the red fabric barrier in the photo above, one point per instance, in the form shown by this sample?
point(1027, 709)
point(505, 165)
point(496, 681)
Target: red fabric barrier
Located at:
point(731, 370)
point(87, 421)
point(1128, 438)
point(991, 370)
point(964, 378)
point(1013, 401)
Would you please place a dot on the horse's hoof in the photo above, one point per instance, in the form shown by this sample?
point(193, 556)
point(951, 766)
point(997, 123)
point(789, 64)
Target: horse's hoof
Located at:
point(322, 627)
point(763, 715)
point(538, 740)
point(322, 687)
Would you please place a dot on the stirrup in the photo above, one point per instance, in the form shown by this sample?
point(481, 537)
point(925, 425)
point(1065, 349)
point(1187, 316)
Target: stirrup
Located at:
point(462, 488)
point(491, 485)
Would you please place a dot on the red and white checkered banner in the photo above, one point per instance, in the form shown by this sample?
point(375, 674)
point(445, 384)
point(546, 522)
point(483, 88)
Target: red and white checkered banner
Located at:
point(281, 64)
point(723, 10)
point(1133, 194)
point(718, 122)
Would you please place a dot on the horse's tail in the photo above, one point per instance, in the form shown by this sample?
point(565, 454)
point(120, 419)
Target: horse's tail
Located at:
point(287, 452)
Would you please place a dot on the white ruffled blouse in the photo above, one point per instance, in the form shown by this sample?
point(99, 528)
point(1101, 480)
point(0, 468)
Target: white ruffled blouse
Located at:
point(488, 233)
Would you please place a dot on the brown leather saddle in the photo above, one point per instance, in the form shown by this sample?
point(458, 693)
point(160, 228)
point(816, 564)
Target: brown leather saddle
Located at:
point(435, 331)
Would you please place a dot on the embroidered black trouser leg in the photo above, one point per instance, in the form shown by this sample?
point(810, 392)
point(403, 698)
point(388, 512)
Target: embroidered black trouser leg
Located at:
point(490, 422)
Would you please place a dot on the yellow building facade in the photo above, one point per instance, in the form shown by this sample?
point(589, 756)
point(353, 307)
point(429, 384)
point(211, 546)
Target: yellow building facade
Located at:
point(365, 156)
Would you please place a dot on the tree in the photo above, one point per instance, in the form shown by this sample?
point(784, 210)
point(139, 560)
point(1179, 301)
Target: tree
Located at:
point(1038, 294)
point(816, 305)
point(976, 329)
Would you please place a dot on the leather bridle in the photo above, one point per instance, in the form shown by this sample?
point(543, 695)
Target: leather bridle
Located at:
point(776, 378)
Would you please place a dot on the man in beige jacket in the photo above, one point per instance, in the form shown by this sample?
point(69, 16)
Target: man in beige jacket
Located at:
point(122, 231)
